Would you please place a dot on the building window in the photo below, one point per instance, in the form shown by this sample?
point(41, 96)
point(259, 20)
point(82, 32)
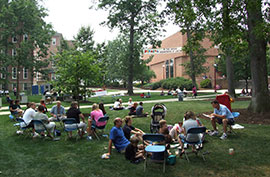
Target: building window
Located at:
point(25, 37)
point(14, 39)
point(14, 86)
point(3, 73)
point(53, 41)
point(14, 73)
point(25, 86)
point(167, 68)
point(171, 67)
point(25, 73)
point(13, 52)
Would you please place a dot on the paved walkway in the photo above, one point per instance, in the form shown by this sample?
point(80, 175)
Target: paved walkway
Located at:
point(150, 101)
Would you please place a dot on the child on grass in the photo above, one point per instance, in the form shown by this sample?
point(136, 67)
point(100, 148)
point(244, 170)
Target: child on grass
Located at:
point(132, 152)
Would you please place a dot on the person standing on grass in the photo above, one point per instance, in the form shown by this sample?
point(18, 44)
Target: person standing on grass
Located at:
point(74, 112)
point(117, 137)
point(221, 115)
point(15, 91)
point(194, 91)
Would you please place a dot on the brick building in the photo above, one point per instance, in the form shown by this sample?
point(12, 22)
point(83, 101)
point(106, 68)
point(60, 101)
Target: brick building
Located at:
point(28, 78)
point(168, 65)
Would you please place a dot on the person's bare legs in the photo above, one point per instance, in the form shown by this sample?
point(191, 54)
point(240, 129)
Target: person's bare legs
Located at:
point(213, 122)
point(225, 123)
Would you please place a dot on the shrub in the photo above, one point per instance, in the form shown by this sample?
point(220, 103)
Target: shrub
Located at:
point(206, 83)
point(173, 83)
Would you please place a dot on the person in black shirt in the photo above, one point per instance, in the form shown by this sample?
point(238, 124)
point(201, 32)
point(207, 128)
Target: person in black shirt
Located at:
point(132, 153)
point(132, 110)
point(128, 129)
point(75, 113)
point(15, 108)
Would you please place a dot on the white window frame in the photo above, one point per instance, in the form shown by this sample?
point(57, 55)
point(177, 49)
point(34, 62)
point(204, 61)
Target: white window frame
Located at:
point(25, 88)
point(25, 71)
point(53, 41)
point(13, 52)
point(14, 39)
point(3, 76)
point(25, 37)
point(14, 69)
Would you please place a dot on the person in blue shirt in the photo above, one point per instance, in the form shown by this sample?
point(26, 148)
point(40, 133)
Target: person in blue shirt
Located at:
point(221, 115)
point(117, 137)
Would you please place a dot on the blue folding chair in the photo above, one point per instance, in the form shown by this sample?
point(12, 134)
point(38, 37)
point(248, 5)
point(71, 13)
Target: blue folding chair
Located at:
point(40, 126)
point(70, 125)
point(158, 151)
point(198, 131)
point(94, 126)
point(22, 125)
point(235, 115)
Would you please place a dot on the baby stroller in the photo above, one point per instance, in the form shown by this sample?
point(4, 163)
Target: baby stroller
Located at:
point(158, 113)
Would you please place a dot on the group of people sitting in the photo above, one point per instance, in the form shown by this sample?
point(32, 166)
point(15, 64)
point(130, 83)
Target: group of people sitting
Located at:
point(135, 108)
point(126, 139)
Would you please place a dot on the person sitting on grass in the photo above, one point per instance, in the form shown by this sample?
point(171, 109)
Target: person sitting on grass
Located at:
point(176, 130)
point(142, 95)
point(162, 93)
point(132, 110)
point(117, 138)
point(132, 153)
point(94, 116)
point(58, 112)
point(139, 111)
point(42, 102)
point(190, 122)
point(165, 131)
point(129, 129)
point(221, 115)
point(74, 112)
point(15, 108)
point(44, 118)
point(118, 104)
point(130, 103)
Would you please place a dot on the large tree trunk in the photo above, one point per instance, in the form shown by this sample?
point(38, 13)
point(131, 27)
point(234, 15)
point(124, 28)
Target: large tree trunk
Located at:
point(257, 48)
point(228, 50)
point(191, 56)
point(131, 58)
point(230, 73)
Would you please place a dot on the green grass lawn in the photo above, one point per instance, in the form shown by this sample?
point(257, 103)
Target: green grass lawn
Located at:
point(22, 156)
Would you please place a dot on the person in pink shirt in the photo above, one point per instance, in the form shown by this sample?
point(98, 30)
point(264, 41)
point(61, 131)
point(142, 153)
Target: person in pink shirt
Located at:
point(94, 116)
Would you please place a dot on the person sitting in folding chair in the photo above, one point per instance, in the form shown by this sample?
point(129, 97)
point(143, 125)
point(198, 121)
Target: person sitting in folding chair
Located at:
point(117, 137)
point(94, 116)
point(57, 112)
point(221, 115)
point(28, 117)
point(50, 126)
point(190, 122)
point(75, 113)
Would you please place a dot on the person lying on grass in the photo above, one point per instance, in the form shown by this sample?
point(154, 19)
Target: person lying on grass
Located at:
point(129, 129)
point(132, 152)
point(117, 137)
point(190, 122)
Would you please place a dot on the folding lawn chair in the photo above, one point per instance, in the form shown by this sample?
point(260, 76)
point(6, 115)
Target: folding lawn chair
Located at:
point(198, 131)
point(101, 119)
point(70, 125)
point(158, 151)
